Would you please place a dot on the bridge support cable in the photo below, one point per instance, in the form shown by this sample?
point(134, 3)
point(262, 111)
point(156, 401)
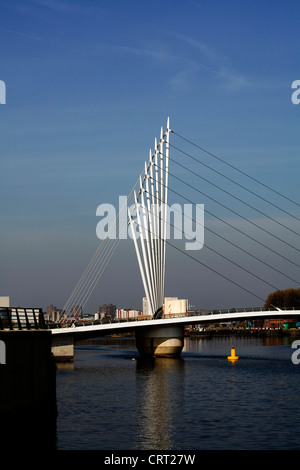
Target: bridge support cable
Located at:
point(242, 173)
point(232, 226)
point(151, 221)
point(153, 250)
point(226, 258)
point(235, 245)
point(148, 219)
point(134, 222)
point(233, 211)
point(166, 205)
point(171, 225)
point(90, 277)
point(238, 198)
point(147, 230)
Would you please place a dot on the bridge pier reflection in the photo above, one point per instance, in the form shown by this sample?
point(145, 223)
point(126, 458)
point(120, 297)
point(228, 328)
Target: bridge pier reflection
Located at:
point(160, 341)
point(160, 393)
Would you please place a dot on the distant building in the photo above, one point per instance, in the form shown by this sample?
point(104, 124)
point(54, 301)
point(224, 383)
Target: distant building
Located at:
point(125, 314)
point(76, 311)
point(107, 311)
point(4, 301)
point(172, 307)
point(145, 306)
point(52, 313)
point(278, 323)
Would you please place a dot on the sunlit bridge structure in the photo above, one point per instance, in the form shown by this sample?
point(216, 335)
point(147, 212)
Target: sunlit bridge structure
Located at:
point(150, 205)
point(145, 214)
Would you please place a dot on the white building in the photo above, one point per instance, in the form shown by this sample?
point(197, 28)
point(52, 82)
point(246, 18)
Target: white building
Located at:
point(4, 301)
point(173, 307)
point(125, 314)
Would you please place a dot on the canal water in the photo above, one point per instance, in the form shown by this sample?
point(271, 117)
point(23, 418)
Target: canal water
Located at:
point(112, 399)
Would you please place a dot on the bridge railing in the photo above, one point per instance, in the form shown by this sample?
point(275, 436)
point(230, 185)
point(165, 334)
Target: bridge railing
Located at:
point(16, 318)
point(71, 322)
point(234, 310)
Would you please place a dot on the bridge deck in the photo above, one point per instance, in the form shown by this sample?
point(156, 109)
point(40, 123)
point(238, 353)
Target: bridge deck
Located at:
point(112, 328)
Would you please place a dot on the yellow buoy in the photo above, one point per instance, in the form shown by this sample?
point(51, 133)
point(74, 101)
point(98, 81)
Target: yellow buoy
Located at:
point(233, 357)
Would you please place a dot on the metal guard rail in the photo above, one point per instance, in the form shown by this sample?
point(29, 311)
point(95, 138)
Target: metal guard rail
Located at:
point(16, 318)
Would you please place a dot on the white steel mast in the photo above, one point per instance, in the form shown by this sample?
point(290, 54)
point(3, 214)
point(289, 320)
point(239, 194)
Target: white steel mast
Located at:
point(151, 220)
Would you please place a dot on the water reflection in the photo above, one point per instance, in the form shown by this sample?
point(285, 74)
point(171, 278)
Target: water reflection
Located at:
point(220, 346)
point(157, 388)
point(106, 400)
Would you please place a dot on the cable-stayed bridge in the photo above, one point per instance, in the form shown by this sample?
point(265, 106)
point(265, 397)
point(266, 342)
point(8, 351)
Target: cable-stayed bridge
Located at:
point(156, 337)
point(145, 213)
point(90, 331)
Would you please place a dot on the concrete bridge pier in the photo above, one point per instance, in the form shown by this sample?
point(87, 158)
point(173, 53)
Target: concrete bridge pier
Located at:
point(62, 347)
point(160, 341)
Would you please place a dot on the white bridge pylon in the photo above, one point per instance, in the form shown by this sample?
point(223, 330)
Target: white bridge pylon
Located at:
point(149, 227)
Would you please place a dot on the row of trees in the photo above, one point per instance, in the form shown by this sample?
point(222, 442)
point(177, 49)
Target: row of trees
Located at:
point(283, 299)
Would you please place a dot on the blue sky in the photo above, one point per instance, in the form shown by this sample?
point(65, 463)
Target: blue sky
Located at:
point(88, 86)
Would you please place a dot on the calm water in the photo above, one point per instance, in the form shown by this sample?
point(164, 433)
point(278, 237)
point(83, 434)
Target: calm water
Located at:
point(112, 399)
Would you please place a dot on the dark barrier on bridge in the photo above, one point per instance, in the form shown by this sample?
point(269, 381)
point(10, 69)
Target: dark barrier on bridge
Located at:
point(17, 318)
point(27, 390)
